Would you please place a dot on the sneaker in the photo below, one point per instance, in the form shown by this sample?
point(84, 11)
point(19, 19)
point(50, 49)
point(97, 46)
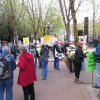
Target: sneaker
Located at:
point(43, 78)
point(96, 86)
point(58, 69)
point(75, 80)
point(79, 82)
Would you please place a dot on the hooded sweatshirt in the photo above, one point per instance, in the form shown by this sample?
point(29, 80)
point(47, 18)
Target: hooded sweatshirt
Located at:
point(27, 73)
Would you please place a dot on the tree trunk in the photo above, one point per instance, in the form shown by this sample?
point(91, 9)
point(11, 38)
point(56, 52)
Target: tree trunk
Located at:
point(64, 19)
point(13, 20)
point(68, 31)
point(94, 35)
point(74, 21)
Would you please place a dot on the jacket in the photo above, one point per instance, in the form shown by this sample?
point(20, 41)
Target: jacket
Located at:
point(97, 53)
point(10, 60)
point(27, 73)
point(0, 49)
point(44, 54)
point(79, 56)
point(57, 49)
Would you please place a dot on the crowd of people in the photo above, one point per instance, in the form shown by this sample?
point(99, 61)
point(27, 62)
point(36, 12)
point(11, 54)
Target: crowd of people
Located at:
point(33, 57)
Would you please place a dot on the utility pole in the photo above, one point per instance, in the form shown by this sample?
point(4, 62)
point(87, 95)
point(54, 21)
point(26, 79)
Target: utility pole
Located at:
point(86, 27)
point(94, 19)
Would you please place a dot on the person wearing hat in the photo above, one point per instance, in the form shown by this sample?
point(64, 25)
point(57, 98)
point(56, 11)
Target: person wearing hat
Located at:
point(79, 56)
point(7, 84)
point(27, 74)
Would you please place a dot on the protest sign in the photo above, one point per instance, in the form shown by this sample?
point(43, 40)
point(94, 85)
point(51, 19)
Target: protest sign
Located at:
point(47, 38)
point(26, 41)
point(91, 64)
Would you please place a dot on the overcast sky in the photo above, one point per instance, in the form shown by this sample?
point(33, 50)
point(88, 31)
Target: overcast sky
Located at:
point(86, 10)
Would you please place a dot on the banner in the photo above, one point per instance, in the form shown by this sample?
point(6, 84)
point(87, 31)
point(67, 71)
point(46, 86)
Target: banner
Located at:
point(42, 40)
point(26, 41)
point(91, 64)
point(47, 38)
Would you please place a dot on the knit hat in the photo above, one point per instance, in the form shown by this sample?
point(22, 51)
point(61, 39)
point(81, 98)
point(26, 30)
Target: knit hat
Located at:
point(80, 44)
point(56, 42)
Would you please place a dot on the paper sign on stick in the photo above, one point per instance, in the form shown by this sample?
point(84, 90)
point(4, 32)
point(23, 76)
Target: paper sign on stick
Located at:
point(91, 64)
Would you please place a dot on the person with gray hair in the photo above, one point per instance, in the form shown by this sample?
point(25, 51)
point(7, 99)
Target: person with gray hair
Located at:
point(27, 74)
point(7, 84)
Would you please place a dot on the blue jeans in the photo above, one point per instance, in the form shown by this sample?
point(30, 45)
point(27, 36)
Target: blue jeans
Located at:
point(35, 62)
point(56, 63)
point(98, 74)
point(8, 86)
point(44, 65)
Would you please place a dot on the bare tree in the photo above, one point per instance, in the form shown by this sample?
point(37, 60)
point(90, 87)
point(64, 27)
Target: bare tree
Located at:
point(33, 9)
point(66, 7)
point(94, 13)
point(73, 12)
point(72, 3)
point(12, 16)
point(44, 18)
point(95, 6)
point(66, 18)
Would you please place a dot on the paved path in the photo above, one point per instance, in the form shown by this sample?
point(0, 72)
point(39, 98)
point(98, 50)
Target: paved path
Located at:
point(59, 85)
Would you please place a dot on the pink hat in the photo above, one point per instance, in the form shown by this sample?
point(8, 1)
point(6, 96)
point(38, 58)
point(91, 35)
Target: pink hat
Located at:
point(80, 44)
point(56, 42)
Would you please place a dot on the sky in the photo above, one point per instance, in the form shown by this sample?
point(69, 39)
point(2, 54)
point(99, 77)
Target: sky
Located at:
point(86, 10)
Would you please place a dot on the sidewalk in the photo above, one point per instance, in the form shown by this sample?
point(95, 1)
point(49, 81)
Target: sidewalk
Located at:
point(59, 85)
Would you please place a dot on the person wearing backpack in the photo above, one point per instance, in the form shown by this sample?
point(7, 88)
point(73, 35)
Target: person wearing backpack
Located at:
point(6, 83)
point(44, 55)
point(0, 49)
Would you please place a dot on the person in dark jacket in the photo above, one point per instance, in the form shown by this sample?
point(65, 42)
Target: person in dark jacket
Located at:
point(97, 59)
point(33, 50)
point(56, 52)
point(13, 49)
point(79, 56)
point(44, 55)
point(0, 49)
point(7, 84)
point(27, 74)
point(64, 47)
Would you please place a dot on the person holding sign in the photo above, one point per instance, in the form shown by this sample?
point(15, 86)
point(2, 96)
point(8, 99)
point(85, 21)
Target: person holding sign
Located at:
point(97, 59)
point(79, 56)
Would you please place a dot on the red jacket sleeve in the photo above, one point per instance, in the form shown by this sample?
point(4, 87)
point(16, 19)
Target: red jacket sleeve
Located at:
point(22, 63)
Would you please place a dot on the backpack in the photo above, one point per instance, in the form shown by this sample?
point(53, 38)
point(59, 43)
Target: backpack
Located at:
point(4, 68)
point(45, 55)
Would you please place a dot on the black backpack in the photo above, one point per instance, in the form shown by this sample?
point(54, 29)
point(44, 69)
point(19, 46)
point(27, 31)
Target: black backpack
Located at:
point(4, 68)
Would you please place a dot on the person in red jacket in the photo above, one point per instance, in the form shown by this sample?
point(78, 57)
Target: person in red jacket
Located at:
point(27, 74)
